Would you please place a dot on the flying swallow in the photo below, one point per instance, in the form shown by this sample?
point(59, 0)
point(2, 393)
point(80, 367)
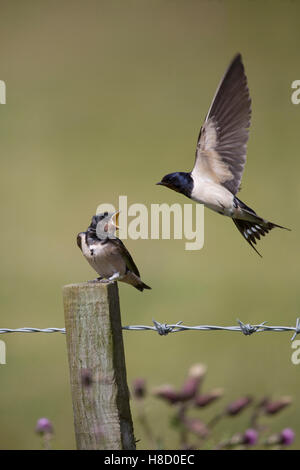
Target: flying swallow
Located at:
point(107, 254)
point(221, 156)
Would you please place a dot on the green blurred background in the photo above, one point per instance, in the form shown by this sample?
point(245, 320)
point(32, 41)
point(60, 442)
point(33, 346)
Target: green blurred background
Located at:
point(104, 98)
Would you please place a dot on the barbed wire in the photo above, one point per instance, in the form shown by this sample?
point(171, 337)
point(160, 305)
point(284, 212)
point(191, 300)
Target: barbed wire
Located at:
point(33, 330)
point(164, 329)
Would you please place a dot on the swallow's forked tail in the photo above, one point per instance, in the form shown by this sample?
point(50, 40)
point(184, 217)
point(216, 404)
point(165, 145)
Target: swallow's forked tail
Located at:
point(135, 281)
point(254, 228)
point(142, 286)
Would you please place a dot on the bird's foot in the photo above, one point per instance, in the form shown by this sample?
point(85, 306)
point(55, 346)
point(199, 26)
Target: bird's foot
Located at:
point(103, 280)
point(115, 277)
point(99, 279)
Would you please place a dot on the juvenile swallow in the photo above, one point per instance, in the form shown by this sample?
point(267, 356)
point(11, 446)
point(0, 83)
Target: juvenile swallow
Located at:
point(221, 156)
point(108, 255)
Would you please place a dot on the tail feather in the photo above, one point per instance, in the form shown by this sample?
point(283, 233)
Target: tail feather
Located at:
point(252, 231)
point(135, 281)
point(251, 226)
point(141, 286)
point(246, 229)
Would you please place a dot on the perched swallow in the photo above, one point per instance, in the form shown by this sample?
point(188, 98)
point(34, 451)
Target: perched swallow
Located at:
point(108, 256)
point(221, 156)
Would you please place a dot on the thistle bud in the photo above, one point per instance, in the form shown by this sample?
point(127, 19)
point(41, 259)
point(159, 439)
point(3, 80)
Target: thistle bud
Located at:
point(168, 393)
point(206, 399)
point(238, 405)
point(196, 426)
point(191, 385)
point(273, 407)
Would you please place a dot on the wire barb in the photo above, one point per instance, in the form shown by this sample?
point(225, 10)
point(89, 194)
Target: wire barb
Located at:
point(163, 329)
point(297, 329)
point(248, 329)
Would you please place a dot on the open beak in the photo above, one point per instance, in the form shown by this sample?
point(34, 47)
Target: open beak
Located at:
point(115, 219)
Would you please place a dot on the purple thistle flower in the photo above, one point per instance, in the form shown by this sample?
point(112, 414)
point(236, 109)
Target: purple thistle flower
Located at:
point(284, 438)
point(250, 437)
point(287, 436)
point(238, 405)
point(44, 426)
point(139, 388)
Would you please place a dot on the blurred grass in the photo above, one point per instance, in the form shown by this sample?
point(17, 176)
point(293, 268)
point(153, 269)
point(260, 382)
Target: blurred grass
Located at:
point(104, 98)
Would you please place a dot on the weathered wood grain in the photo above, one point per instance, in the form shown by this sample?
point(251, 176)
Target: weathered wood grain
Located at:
point(99, 388)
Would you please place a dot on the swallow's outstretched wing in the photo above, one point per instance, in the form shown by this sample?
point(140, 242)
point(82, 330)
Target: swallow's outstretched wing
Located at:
point(221, 147)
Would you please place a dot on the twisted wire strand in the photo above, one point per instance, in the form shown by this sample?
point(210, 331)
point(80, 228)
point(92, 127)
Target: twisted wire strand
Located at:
point(33, 330)
point(164, 329)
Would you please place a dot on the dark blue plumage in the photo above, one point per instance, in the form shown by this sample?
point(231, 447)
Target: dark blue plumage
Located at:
point(180, 182)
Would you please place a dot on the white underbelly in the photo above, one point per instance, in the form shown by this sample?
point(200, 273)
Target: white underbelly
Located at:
point(213, 196)
point(105, 261)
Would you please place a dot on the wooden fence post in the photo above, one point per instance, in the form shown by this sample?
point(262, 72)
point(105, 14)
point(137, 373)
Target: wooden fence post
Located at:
point(99, 388)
